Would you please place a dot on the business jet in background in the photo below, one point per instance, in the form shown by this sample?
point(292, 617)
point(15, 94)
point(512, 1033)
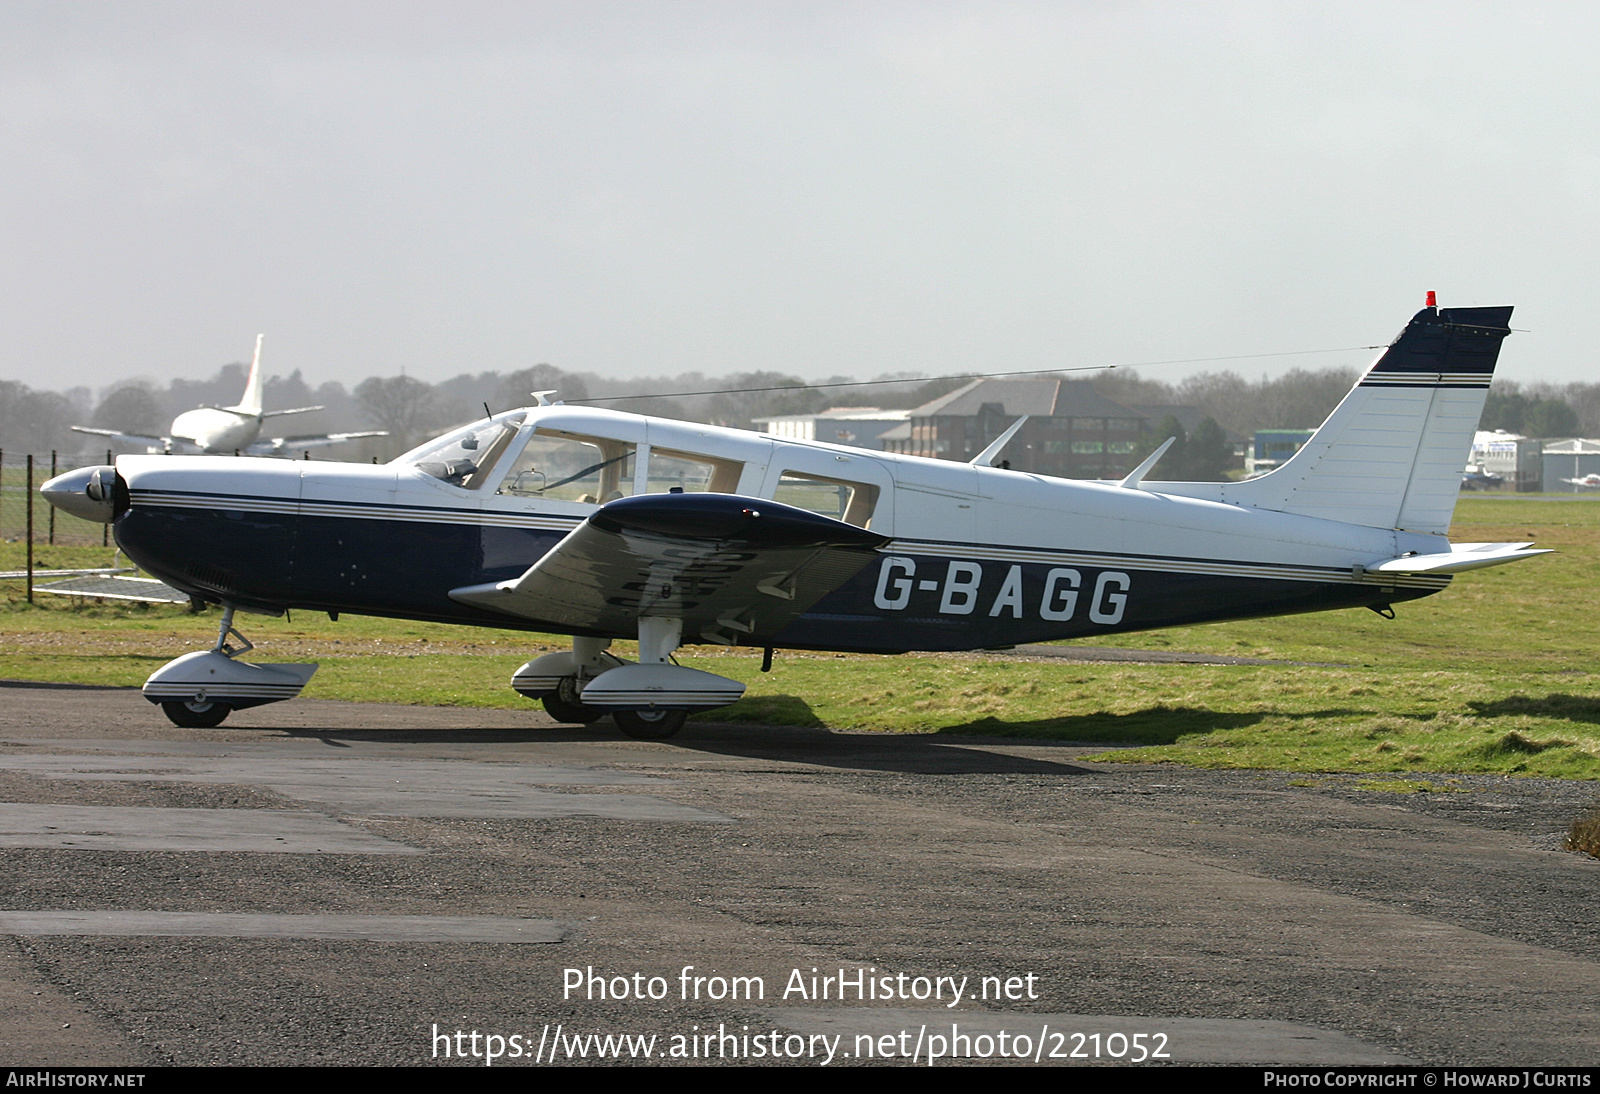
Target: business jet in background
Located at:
point(230, 430)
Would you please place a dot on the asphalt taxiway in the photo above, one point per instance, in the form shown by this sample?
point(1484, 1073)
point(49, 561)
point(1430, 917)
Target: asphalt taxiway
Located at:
point(325, 882)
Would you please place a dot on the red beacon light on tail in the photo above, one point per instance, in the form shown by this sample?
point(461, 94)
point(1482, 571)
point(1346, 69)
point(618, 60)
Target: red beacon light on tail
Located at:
point(1433, 300)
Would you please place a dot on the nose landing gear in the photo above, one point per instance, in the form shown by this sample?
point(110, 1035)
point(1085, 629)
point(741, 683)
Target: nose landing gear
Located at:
point(199, 690)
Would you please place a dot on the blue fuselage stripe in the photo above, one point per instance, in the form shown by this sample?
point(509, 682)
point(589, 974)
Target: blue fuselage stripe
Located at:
point(920, 595)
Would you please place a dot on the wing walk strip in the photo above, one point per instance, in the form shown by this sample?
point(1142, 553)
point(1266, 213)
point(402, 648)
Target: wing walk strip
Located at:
point(1209, 567)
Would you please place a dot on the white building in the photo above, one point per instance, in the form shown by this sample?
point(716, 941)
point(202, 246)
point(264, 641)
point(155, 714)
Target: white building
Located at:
point(855, 425)
point(1517, 459)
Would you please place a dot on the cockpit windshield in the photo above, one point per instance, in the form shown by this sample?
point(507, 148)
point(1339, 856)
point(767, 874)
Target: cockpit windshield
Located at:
point(553, 464)
point(466, 457)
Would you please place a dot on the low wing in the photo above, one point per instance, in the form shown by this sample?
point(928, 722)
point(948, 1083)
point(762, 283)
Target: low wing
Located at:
point(731, 568)
point(1461, 556)
point(281, 446)
point(124, 438)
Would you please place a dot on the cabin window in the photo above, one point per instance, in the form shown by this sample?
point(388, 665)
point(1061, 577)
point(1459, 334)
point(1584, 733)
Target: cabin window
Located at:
point(851, 502)
point(466, 457)
point(685, 473)
point(565, 467)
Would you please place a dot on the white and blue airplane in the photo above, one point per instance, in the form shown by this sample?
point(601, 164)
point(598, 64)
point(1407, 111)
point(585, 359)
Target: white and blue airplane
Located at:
point(605, 525)
point(229, 430)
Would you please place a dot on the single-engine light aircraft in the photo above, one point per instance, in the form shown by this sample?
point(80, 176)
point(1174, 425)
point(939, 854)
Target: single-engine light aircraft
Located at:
point(229, 430)
point(1590, 480)
point(604, 525)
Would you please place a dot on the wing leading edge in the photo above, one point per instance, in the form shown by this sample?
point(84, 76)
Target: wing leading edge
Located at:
point(731, 568)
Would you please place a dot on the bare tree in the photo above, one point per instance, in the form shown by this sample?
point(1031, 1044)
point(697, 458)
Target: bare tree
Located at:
point(133, 408)
point(517, 389)
point(400, 404)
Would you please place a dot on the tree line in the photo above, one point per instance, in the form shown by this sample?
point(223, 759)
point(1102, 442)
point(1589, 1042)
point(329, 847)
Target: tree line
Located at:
point(413, 410)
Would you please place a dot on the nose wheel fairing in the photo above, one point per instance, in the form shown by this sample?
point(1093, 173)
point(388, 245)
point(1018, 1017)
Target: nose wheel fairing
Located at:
point(199, 689)
point(209, 676)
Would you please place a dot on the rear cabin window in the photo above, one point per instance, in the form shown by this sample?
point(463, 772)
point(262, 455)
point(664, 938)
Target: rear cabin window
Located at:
point(686, 473)
point(851, 502)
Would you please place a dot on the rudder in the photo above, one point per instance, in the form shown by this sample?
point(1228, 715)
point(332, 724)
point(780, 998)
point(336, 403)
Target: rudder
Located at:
point(1391, 454)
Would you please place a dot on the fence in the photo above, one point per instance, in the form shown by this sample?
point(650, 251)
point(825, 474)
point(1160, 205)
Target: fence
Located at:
point(23, 509)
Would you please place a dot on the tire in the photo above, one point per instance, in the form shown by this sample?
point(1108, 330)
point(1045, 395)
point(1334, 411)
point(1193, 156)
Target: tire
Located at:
point(564, 706)
point(650, 725)
point(190, 715)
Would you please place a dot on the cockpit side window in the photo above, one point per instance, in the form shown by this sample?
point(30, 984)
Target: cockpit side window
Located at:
point(851, 502)
point(566, 467)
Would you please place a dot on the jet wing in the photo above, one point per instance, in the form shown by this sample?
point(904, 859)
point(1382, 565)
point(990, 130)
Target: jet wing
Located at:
point(124, 438)
point(1461, 556)
point(730, 567)
point(282, 446)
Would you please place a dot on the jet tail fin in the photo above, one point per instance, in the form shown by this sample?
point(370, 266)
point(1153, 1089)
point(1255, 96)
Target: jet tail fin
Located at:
point(251, 403)
point(1390, 455)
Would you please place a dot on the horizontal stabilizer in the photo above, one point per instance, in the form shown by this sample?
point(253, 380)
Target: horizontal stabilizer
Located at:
point(1460, 557)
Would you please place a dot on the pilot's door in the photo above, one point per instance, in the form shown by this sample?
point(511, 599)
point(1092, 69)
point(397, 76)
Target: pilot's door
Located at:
point(552, 481)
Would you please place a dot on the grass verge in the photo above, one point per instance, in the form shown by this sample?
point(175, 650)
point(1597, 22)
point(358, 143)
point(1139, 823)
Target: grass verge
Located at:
point(1494, 675)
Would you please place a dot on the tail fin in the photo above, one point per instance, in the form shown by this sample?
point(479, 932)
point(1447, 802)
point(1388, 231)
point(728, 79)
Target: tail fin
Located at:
point(251, 403)
point(1391, 454)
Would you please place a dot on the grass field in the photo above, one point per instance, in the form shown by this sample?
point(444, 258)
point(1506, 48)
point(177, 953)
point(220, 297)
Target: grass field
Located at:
point(1495, 674)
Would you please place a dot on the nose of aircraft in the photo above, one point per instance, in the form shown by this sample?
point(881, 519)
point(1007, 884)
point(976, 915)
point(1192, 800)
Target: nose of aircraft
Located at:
point(92, 493)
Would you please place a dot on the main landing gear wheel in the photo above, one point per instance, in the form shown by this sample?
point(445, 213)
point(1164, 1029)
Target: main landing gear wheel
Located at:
point(650, 725)
point(196, 715)
point(565, 705)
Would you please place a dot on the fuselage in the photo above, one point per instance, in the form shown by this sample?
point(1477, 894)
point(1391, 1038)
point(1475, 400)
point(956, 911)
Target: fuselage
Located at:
point(217, 431)
point(978, 557)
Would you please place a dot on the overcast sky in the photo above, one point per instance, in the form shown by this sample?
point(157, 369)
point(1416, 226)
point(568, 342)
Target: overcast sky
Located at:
point(818, 188)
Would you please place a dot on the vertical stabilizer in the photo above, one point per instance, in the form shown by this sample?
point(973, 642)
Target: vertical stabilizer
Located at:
point(251, 403)
point(1391, 454)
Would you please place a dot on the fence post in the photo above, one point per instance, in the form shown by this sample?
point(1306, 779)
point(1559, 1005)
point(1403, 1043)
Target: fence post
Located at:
point(105, 529)
point(28, 500)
